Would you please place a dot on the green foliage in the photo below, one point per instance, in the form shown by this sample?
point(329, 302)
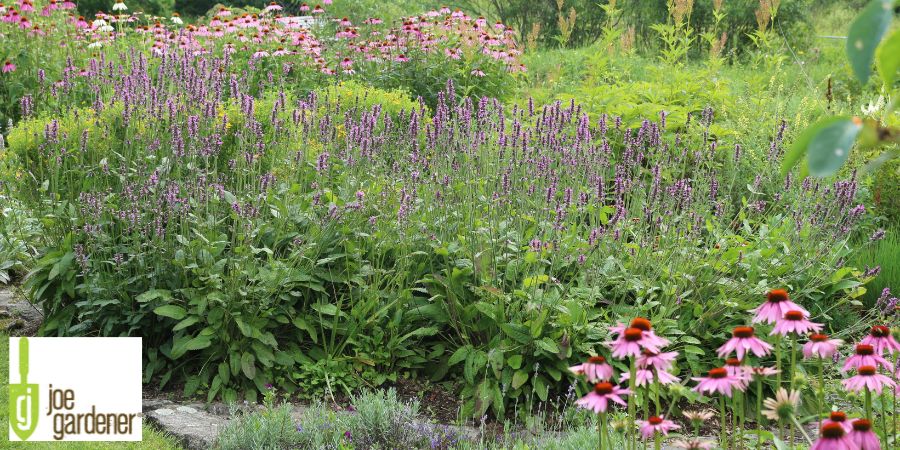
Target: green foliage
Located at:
point(271, 428)
point(865, 34)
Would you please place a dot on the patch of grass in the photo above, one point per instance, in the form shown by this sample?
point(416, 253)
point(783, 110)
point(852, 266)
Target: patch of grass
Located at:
point(884, 253)
point(153, 439)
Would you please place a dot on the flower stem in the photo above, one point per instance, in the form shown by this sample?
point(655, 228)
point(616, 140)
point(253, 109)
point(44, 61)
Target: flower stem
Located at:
point(802, 431)
point(632, 444)
point(869, 406)
point(601, 424)
point(793, 364)
point(758, 412)
point(778, 360)
point(722, 437)
point(821, 387)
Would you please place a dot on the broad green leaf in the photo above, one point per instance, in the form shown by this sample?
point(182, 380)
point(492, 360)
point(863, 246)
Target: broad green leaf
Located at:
point(800, 146)
point(248, 365)
point(519, 378)
point(516, 331)
point(154, 294)
point(515, 361)
point(889, 58)
point(459, 355)
point(831, 147)
point(174, 311)
point(198, 343)
point(865, 33)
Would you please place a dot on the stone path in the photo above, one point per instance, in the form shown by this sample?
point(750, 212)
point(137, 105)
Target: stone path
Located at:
point(17, 316)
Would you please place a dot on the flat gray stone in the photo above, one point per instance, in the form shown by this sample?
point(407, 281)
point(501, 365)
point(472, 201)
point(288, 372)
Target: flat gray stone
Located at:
point(195, 429)
point(20, 308)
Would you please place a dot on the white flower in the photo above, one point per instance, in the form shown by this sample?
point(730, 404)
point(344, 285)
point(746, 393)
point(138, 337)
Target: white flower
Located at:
point(871, 109)
point(177, 20)
point(98, 23)
point(97, 44)
point(106, 29)
point(119, 6)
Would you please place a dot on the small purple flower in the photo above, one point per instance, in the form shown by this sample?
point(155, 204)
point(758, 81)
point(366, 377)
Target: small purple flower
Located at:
point(877, 235)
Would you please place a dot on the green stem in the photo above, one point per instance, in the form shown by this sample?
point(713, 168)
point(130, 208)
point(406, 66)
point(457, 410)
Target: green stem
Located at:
point(802, 431)
point(759, 412)
point(821, 387)
point(631, 404)
point(793, 364)
point(600, 421)
point(722, 437)
point(868, 406)
point(884, 429)
point(778, 360)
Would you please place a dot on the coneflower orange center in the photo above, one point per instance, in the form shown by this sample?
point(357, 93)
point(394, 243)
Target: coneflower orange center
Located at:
point(880, 331)
point(603, 388)
point(793, 315)
point(718, 372)
point(832, 430)
point(837, 416)
point(649, 353)
point(816, 337)
point(862, 425)
point(633, 334)
point(865, 349)
point(655, 420)
point(867, 370)
point(777, 295)
point(641, 324)
point(732, 362)
point(743, 332)
point(597, 360)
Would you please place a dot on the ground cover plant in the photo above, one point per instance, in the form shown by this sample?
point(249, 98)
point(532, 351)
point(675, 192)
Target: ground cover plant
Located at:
point(310, 208)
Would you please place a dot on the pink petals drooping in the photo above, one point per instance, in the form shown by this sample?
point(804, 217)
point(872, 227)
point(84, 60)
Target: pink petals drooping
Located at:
point(743, 341)
point(654, 425)
point(881, 340)
point(719, 381)
point(795, 321)
point(777, 304)
point(820, 346)
point(598, 399)
point(833, 437)
point(594, 369)
point(865, 356)
point(867, 378)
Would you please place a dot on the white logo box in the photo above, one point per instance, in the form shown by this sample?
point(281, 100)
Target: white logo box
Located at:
point(92, 376)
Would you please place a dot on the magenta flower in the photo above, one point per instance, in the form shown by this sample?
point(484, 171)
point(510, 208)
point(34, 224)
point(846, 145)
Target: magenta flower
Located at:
point(881, 339)
point(718, 380)
point(598, 399)
point(743, 341)
point(865, 356)
point(861, 434)
point(8, 66)
point(656, 424)
point(867, 378)
point(795, 321)
point(839, 418)
point(595, 369)
point(819, 346)
point(645, 377)
point(777, 304)
point(645, 326)
point(655, 360)
point(833, 437)
point(630, 342)
point(736, 369)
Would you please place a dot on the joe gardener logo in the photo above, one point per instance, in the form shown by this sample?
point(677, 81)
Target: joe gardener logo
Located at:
point(75, 389)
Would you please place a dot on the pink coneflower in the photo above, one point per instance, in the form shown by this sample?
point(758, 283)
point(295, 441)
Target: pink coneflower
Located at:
point(656, 424)
point(820, 346)
point(595, 369)
point(8, 67)
point(880, 337)
point(861, 434)
point(401, 58)
point(345, 22)
point(867, 378)
point(736, 369)
point(776, 305)
point(645, 377)
point(865, 356)
point(223, 12)
point(744, 341)
point(630, 342)
point(598, 399)
point(655, 360)
point(272, 7)
point(645, 326)
point(763, 371)
point(318, 10)
point(794, 321)
point(718, 380)
point(839, 418)
point(833, 437)
point(346, 63)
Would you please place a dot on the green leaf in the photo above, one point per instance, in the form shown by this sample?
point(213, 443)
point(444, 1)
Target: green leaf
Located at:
point(541, 388)
point(154, 294)
point(248, 365)
point(186, 323)
point(865, 33)
point(198, 343)
point(519, 378)
point(831, 147)
point(516, 331)
point(889, 58)
point(515, 361)
point(459, 355)
point(174, 311)
point(798, 149)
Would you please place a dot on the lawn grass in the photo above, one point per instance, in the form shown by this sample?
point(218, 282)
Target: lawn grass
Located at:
point(153, 439)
